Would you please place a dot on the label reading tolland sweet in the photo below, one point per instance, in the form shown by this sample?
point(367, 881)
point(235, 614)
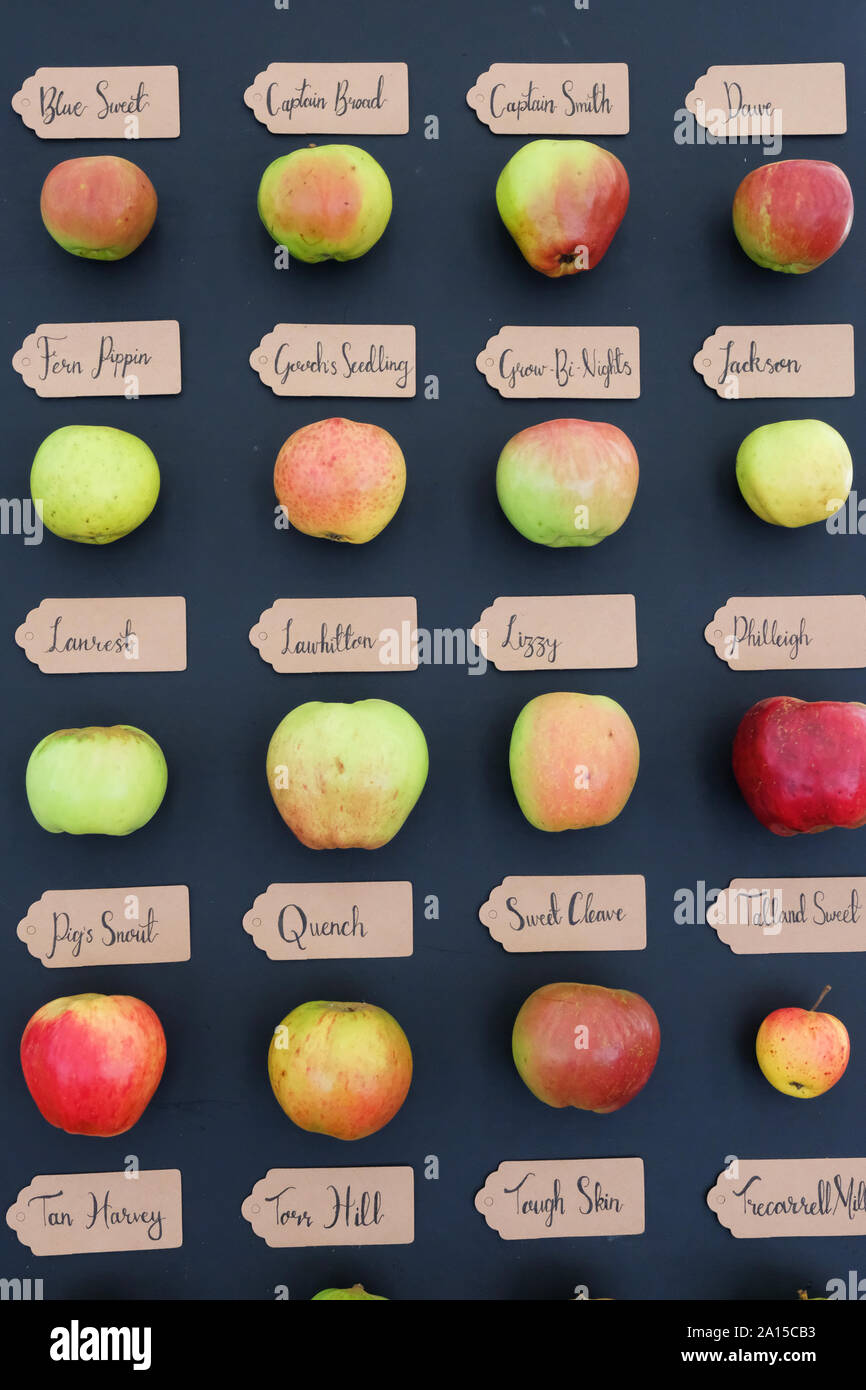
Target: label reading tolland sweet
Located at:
point(291, 1207)
point(783, 915)
point(569, 1197)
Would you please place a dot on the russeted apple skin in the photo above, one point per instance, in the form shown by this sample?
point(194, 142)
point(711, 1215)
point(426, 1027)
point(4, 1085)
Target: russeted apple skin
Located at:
point(328, 202)
point(100, 207)
point(802, 1052)
point(558, 196)
point(567, 482)
point(340, 480)
point(622, 1046)
point(794, 472)
point(573, 760)
point(93, 483)
point(801, 765)
point(341, 1069)
point(794, 214)
point(99, 780)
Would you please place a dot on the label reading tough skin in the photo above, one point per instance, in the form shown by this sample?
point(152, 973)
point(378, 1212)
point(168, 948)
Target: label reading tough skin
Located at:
point(539, 1200)
point(292, 1207)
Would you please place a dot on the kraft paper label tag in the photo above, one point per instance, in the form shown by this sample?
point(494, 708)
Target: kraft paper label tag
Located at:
point(565, 632)
point(137, 103)
point(771, 1197)
point(781, 360)
point(292, 1207)
point(563, 363)
point(741, 99)
point(552, 98)
point(102, 359)
point(331, 98)
point(337, 359)
point(338, 634)
point(778, 916)
point(813, 632)
point(569, 1197)
point(322, 921)
point(108, 926)
point(68, 636)
point(99, 1213)
point(601, 912)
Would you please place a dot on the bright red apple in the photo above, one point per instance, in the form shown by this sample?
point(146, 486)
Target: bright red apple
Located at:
point(793, 215)
point(93, 1061)
point(801, 765)
point(585, 1046)
point(100, 206)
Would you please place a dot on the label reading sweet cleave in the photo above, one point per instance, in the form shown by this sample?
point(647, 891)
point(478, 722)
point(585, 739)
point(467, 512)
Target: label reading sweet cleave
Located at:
point(338, 634)
point(563, 632)
point(139, 103)
point(321, 921)
point(777, 916)
point(291, 1207)
point(68, 636)
point(99, 1213)
point(812, 632)
point(102, 359)
point(602, 912)
point(773, 1197)
point(738, 100)
point(563, 363)
point(108, 926)
point(337, 359)
point(552, 98)
point(331, 98)
point(778, 360)
point(569, 1197)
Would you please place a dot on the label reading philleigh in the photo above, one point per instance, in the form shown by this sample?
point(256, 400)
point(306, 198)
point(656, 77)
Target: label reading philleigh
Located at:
point(808, 632)
point(291, 1207)
point(99, 1213)
point(572, 1197)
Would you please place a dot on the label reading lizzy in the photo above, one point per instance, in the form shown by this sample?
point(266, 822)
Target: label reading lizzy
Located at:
point(781, 360)
point(552, 98)
point(102, 359)
point(67, 636)
point(333, 1206)
point(738, 100)
point(808, 633)
point(338, 634)
point(108, 926)
point(318, 921)
point(104, 103)
point(330, 98)
point(757, 1197)
point(781, 915)
point(605, 912)
point(99, 1213)
point(568, 1197)
point(565, 363)
point(337, 359)
point(563, 632)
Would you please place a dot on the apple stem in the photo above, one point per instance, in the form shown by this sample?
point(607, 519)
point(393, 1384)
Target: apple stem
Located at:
point(824, 991)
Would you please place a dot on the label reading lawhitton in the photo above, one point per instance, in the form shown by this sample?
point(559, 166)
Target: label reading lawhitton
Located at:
point(540, 1200)
point(331, 98)
point(292, 1207)
point(775, 916)
point(296, 635)
point(563, 363)
point(778, 360)
point(325, 921)
point(102, 359)
point(809, 632)
point(337, 359)
point(99, 1213)
point(132, 103)
point(108, 926)
point(563, 632)
point(552, 98)
point(69, 636)
point(738, 100)
point(772, 1197)
point(601, 912)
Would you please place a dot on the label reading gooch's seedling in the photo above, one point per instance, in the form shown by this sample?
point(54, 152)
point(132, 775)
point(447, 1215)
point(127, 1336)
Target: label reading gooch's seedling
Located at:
point(775, 916)
point(810, 632)
point(338, 634)
point(108, 926)
point(68, 636)
point(552, 98)
point(563, 363)
point(565, 632)
point(292, 1207)
point(320, 921)
point(602, 912)
point(102, 359)
point(131, 103)
point(337, 359)
point(540, 1200)
point(99, 1213)
point(331, 98)
point(771, 1197)
point(778, 360)
point(752, 99)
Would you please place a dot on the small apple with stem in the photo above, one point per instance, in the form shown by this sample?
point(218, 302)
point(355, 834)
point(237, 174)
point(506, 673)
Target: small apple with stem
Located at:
point(803, 1052)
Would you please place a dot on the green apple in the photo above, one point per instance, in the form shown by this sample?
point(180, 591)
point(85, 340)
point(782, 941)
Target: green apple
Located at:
point(325, 202)
point(96, 781)
point(344, 1295)
point(94, 484)
point(794, 472)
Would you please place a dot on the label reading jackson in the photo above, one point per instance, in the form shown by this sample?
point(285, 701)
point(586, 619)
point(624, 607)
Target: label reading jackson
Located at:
point(68, 636)
point(569, 1197)
point(319, 921)
point(331, 98)
point(812, 632)
point(565, 632)
point(337, 359)
point(778, 360)
point(137, 103)
point(777, 916)
point(102, 359)
point(552, 98)
point(563, 363)
point(108, 926)
point(291, 1207)
point(604, 912)
point(338, 634)
point(737, 100)
point(791, 1197)
point(99, 1213)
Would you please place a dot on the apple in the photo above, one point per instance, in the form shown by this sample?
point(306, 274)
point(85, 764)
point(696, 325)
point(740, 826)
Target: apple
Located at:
point(585, 1046)
point(96, 781)
point(801, 765)
point(802, 1052)
point(573, 760)
point(567, 482)
point(93, 1061)
point(94, 484)
point(99, 206)
point(794, 472)
point(793, 215)
point(325, 202)
point(340, 1069)
point(357, 1291)
point(562, 201)
point(346, 776)
point(340, 480)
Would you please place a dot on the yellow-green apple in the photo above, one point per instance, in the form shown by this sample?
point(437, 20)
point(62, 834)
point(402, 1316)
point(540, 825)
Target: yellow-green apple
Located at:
point(96, 781)
point(340, 1069)
point(346, 776)
point(340, 479)
point(585, 1046)
point(567, 482)
point(325, 202)
point(794, 472)
point(93, 1061)
point(793, 215)
point(94, 484)
point(562, 201)
point(99, 206)
point(802, 1052)
point(357, 1291)
point(801, 764)
point(573, 760)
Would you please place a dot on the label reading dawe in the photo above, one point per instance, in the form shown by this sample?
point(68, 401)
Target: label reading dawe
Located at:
point(737, 100)
point(102, 359)
point(292, 1207)
point(330, 359)
point(68, 636)
point(771, 1197)
point(563, 363)
point(331, 98)
point(99, 1213)
point(569, 1197)
point(133, 103)
point(778, 360)
point(338, 634)
point(776, 916)
point(812, 632)
point(552, 98)
point(602, 912)
point(320, 921)
point(108, 926)
point(563, 632)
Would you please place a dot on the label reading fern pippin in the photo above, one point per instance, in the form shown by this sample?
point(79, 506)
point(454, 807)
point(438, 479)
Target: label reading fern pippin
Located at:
point(102, 359)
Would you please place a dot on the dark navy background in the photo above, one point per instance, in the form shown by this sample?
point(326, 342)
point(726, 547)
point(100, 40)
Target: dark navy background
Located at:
point(446, 265)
